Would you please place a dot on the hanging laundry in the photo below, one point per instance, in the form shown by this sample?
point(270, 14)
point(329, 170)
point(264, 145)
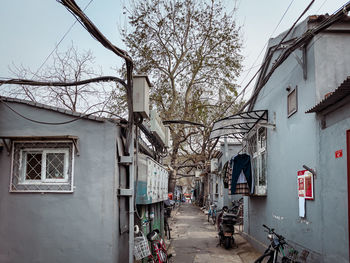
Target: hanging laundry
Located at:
point(242, 185)
point(241, 169)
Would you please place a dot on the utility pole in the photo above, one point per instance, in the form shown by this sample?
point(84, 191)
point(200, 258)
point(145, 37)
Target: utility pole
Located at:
point(128, 160)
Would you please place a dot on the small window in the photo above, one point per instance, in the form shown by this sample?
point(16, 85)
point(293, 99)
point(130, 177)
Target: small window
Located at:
point(292, 102)
point(42, 167)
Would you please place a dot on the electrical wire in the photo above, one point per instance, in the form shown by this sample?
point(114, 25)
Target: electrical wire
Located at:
point(321, 6)
point(75, 10)
point(267, 60)
point(69, 29)
point(261, 65)
point(38, 83)
point(303, 40)
point(285, 12)
point(82, 116)
point(63, 84)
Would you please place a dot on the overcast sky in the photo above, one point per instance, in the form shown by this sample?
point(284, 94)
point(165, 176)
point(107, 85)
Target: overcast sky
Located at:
point(30, 30)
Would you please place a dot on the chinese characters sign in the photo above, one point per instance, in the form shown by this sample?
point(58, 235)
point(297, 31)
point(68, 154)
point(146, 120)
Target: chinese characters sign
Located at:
point(305, 184)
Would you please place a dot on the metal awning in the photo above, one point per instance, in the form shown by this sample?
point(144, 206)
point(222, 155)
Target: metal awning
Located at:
point(338, 95)
point(237, 125)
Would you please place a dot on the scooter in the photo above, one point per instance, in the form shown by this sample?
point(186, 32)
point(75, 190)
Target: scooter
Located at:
point(227, 227)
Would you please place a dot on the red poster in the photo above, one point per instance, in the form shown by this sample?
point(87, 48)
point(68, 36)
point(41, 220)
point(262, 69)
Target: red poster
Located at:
point(308, 186)
point(305, 185)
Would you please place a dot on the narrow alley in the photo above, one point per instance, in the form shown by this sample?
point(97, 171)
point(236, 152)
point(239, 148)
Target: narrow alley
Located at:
point(194, 239)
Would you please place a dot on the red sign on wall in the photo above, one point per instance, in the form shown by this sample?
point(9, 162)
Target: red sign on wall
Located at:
point(305, 184)
point(339, 154)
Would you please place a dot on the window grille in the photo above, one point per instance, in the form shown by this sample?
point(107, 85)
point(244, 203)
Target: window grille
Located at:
point(39, 166)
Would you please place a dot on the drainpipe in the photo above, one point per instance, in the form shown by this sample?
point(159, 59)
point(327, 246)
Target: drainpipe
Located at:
point(132, 197)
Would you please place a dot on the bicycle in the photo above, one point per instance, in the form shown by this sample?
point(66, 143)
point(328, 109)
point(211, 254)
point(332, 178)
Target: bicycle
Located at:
point(158, 252)
point(277, 245)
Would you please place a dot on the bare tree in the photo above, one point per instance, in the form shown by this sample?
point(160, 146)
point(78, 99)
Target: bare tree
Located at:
point(191, 51)
point(68, 66)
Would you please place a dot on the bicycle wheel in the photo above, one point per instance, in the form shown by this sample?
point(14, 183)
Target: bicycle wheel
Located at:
point(261, 258)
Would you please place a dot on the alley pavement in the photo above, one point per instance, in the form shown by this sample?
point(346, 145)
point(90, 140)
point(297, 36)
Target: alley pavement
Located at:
point(195, 240)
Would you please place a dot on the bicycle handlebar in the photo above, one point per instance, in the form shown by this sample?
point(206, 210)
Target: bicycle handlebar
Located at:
point(271, 230)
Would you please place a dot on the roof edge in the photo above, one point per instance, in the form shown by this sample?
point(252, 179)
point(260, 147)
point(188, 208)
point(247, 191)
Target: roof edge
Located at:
point(52, 108)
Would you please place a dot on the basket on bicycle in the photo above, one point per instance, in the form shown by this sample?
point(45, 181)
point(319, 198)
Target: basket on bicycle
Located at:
point(290, 252)
point(141, 248)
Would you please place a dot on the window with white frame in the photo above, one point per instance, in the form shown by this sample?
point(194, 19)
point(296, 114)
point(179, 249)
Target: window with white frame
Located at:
point(42, 166)
point(257, 150)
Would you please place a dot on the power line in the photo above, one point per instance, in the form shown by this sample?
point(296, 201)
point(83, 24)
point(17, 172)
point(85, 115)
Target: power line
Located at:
point(267, 60)
point(285, 12)
point(37, 83)
point(302, 40)
point(69, 29)
point(253, 66)
point(56, 123)
point(321, 6)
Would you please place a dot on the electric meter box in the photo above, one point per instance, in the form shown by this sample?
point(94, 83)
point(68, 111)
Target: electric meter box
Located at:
point(152, 185)
point(140, 96)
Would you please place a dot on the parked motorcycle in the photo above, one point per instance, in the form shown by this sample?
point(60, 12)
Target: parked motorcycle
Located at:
point(227, 223)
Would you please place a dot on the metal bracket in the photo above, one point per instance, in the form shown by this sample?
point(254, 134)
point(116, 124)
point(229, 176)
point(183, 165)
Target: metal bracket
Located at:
point(125, 192)
point(76, 145)
point(126, 160)
point(310, 170)
point(302, 62)
point(267, 125)
point(7, 146)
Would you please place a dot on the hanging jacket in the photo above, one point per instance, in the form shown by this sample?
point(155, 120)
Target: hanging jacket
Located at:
point(241, 163)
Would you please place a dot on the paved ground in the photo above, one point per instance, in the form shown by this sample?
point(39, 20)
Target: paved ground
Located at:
point(194, 240)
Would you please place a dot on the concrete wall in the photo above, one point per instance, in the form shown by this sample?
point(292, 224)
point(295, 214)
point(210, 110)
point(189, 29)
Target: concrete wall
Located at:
point(298, 141)
point(332, 58)
point(289, 147)
point(333, 171)
point(77, 227)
